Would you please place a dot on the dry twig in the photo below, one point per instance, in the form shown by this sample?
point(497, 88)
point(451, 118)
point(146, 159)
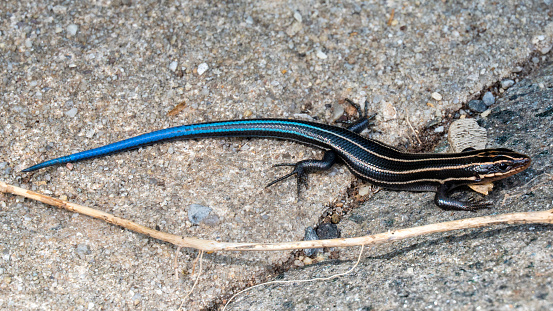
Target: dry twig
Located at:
point(542, 217)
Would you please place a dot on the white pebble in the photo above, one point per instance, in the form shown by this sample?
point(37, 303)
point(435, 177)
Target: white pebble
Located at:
point(546, 49)
point(488, 99)
point(505, 84)
point(28, 43)
point(72, 29)
point(202, 68)
point(72, 112)
point(321, 54)
point(173, 66)
point(59, 9)
point(439, 129)
point(436, 96)
point(298, 16)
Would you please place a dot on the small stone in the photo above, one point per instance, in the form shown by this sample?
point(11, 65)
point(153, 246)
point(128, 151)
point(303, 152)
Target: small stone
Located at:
point(321, 54)
point(337, 112)
point(173, 66)
point(294, 29)
point(72, 29)
point(59, 9)
point(298, 16)
point(72, 112)
point(311, 235)
point(546, 49)
point(83, 249)
point(439, 129)
point(436, 96)
point(328, 231)
point(505, 84)
point(90, 133)
point(197, 213)
point(488, 99)
point(249, 20)
point(248, 113)
point(535, 60)
point(477, 105)
point(203, 67)
point(363, 191)
point(28, 43)
point(211, 220)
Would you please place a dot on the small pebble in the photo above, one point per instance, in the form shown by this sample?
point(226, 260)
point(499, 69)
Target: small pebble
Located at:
point(197, 213)
point(173, 66)
point(298, 16)
point(72, 112)
point(72, 29)
point(321, 54)
point(363, 191)
point(202, 68)
point(488, 99)
point(328, 231)
point(505, 84)
point(439, 129)
point(249, 20)
point(211, 220)
point(436, 96)
point(59, 9)
point(477, 105)
point(311, 235)
point(28, 43)
point(546, 49)
point(337, 112)
point(83, 249)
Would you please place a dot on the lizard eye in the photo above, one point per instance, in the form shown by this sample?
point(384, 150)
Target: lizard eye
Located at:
point(503, 166)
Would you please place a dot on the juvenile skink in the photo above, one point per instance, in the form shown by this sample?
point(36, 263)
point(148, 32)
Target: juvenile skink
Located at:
point(368, 159)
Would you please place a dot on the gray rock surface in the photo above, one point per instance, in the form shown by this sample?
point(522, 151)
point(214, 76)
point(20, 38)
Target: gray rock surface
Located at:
point(495, 268)
point(111, 65)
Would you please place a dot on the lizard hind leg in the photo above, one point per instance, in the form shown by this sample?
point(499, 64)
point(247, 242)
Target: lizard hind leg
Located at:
point(303, 168)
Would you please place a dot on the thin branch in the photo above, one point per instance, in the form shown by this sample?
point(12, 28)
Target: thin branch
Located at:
point(542, 217)
point(333, 276)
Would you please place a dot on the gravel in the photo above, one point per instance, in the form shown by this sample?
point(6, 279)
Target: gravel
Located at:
point(477, 105)
point(488, 99)
point(197, 213)
point(507, 83)
point(263, 62)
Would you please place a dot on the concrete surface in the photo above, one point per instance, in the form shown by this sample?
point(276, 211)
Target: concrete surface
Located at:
point(77, 75)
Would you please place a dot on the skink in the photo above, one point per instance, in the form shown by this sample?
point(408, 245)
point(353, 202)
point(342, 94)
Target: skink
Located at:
point(368, 159)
